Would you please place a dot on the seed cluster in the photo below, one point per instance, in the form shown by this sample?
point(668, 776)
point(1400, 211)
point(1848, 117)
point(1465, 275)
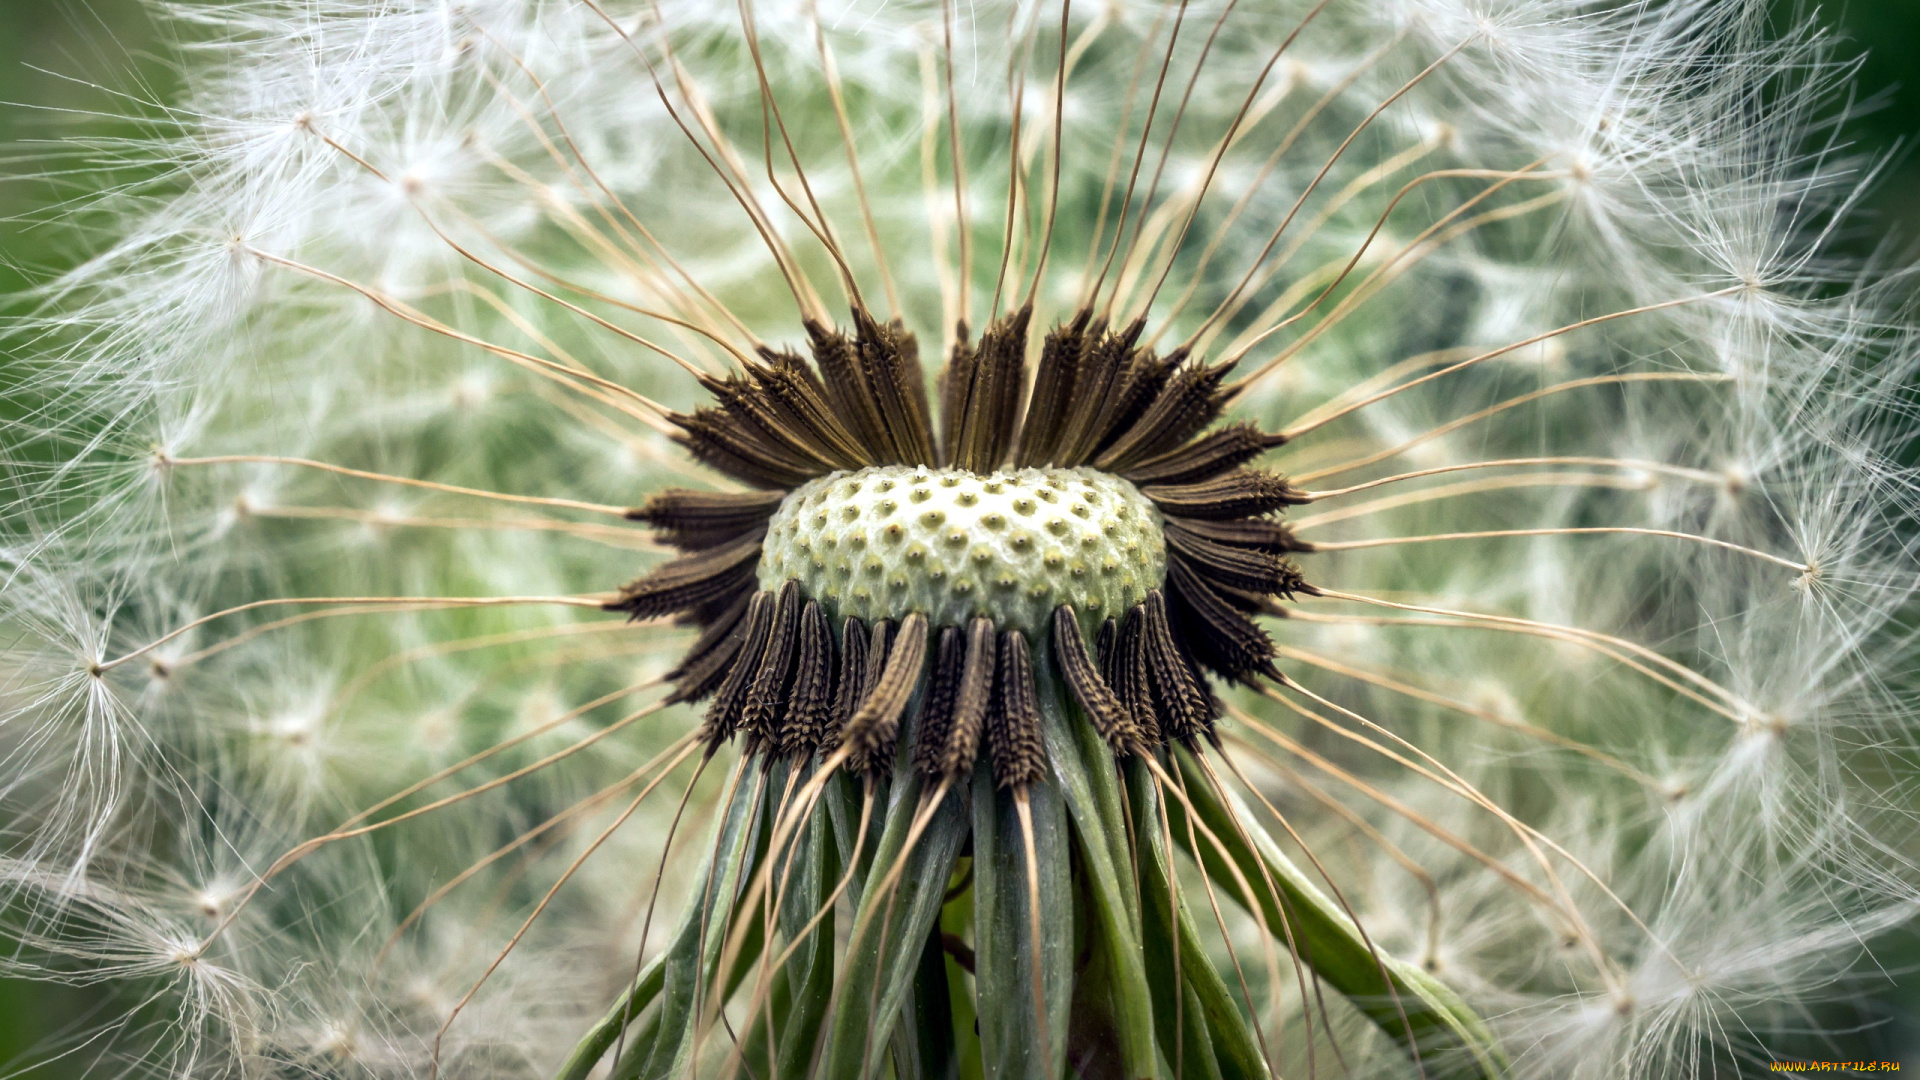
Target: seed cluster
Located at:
point(1011, 545)
point(886, 575)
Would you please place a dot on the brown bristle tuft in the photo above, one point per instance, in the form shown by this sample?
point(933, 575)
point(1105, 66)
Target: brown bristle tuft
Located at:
point(1052, 389)
point(936, 708)
point(1221, 638)
point(730, 700)
point(1238, 494)
point(1228, 448)
point(714, 626)
point(691, 580)
point(1106, 648)
point(1109, 717)
point(889, 361)
point(697, 520)
point(1145, 377)
point(1126, 672)
point(956, 386)
point(1187, 708)
point(1260, 534)
point(853, 674)
point(975, 692)
point(874, 729)
point(767, 695)
point(796, 396)
point(1189, 402)
point(1013, 720)
point(706, 663)
point(754, 411)
point(722, 441)
point(1235, 567)
point(1105, 360)
point(982, 394)
point(847, 392)
point(810, 705)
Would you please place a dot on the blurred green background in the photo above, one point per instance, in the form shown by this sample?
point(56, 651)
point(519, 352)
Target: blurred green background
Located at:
point(61, 58)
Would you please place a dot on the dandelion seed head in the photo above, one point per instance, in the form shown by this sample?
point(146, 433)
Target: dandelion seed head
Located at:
point(1592, 682)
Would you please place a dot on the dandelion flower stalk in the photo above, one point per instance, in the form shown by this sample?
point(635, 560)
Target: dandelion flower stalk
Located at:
point(1125, 539)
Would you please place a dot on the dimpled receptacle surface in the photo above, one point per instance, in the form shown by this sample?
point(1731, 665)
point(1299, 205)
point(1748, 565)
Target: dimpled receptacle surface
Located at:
point(1010, 545)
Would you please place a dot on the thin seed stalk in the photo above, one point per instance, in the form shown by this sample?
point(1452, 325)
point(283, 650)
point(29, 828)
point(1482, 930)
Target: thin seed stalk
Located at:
point(1417, 1010)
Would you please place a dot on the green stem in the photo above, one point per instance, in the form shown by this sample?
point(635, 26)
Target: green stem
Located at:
point(1089, 784)
point(630, 1006)
point(1207, 1026)
point(1014, 1042)
point(890, 927)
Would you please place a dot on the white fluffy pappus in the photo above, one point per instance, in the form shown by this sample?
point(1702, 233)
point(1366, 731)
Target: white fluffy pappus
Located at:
point(318, 746)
